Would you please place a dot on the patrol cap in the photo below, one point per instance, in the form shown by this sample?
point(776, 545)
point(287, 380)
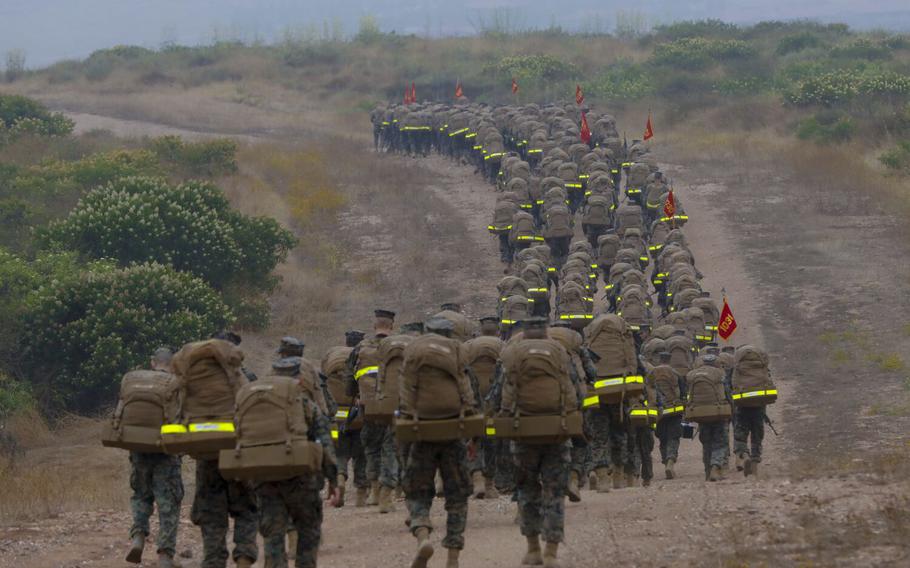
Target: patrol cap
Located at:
point(451, 307)
point(289, 366)
point(489, 319)
point(412, 327)
point(712, 350)
point(705, 294)
point(226, 335)
point(387, 314)
point(354, 334)
point(441, 326)
point(710, 359)
point(291, 345)
point(664, 356)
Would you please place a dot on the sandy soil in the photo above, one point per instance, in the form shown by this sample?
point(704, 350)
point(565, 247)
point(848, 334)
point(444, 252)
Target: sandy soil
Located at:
point(785, 288)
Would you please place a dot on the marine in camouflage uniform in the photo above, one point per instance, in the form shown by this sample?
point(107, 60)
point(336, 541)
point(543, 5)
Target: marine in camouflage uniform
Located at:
point(156, 480)
point(348, 449)
point(378, 440)
point(217, 500)
point(609, 445)
point(421, 462)
point(715, 436)
point(297, 499)
point(748, 426)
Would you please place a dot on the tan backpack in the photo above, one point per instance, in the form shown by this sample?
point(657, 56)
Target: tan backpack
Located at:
point(148, 400)
point(607, 247)
point(537, 379)
point(366, 372)
point(571, 302)
point(632, 307)
point(752, 384)
point(514, 309)
point(391, 357)
point(558, 222)
point(333, 367)
point(707, 400)
point(311, 383)
point(609, 337)
point(502, 217)
point(681, 355)
point(434, 385)
point(464, 329)
point(666, 383)
point(272, 423)
point(523, 229)
point(482, 354)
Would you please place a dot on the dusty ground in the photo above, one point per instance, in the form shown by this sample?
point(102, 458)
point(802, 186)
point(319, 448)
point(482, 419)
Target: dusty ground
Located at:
point(793, 273)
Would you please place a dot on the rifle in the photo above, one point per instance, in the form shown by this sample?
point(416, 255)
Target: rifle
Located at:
point(769, 423)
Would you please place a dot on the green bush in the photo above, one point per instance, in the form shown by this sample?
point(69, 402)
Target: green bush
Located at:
point(696, 28)
point(531, 67)
point(843, 86)
point(622, 81)
point(207, 158)
point(798, 42)
point(190, 227)
point(81, 334)
point(15, 396)
point(826, 128)
point(20, 114)
point(862, 48)
point(897, 158)
point(699, 52)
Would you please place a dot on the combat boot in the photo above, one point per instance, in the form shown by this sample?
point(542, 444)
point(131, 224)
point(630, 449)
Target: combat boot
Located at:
point(668, 468)
point(165, 560)
point(533, 556)
point(619, 479)
point(452, 561)
point(740, 462)
point(385, 500)
point(572, 490)
point(631, 480)
point(243, 562)
point(592, 480)
point(549, 555)
point(440, 486)
point(480, 488)
point(602, 482)
point(399, 492)
point(373, 498)
point(292, 543)
point(490, 488)
point(361, 498)
point(134, 556)
point(747, 466)
point(755, 469)
point(340, 481)
point(424, 548)
point(715, 474)
point(645, 482)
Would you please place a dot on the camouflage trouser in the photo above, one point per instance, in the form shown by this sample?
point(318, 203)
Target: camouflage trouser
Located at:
point(348, 449)
point(579, 456)
point(714, 438)
point(641, 445)
point(484, 458)
point(381, 453)
point(505, 248)
point(669, 432)
point(504, 478)
point(748, 425)
point(155, 479)
point(298, 500)
point(608, 443)
point(542, 473)
point(422, 459)
point(215, 501)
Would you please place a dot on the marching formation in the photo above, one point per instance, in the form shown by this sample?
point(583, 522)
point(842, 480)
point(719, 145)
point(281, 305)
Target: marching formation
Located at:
point(602, 339)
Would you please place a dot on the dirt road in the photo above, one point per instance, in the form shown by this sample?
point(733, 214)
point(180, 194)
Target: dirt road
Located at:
point(846, 518)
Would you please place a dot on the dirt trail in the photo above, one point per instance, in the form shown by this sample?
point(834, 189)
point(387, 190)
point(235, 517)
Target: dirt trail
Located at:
point(679, 522)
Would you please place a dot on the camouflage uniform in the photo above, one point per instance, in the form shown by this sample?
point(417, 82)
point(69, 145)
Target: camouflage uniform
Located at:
point(297, 499)
point(641, 445)
point(155, 479)
point(714, 438)
point(748, 422)
point(422, 459)
point(378, 442)
point(542, 473)
point(504, 477)
point(609, 443)
point(349, 449)
point(669, 432)
point(217, 499)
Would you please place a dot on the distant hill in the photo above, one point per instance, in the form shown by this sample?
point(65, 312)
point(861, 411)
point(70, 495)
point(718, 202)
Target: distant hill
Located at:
point(50, 30)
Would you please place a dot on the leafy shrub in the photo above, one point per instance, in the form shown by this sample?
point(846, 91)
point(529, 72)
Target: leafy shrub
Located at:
point(798, 42)
point(21, 114)
point(696, 28)
point(15, 396)
point(207, 158)
point(190, 227)
point(826, 128)
point(844, 86)
point(91, 171)
point(897, 158)
point(531, 67)
point(862, 48)
point(695, 53)
point(737, 86)
point(83, 333)
point(622, 81)
point(306, 54)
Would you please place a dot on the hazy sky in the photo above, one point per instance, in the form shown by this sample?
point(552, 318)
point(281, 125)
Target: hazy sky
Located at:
point(50, 30)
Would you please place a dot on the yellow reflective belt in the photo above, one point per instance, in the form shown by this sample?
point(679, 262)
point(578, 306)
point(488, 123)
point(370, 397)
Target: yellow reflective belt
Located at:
point(652, 412)
point(627, 164)
point(634, 379)
point(508, 322)
point(639, 412)
point(710, 328)
point(608, 287)
point(643, 258)
point(366, 371)
point(538, 290)
point(527, 205)
point(608, 382)
point(470, 135)
point(385, 123)
point(334, 434)
point(652, 205)
point(212, 427)
point(494, 155)
point(537, 151)
point(343, 413)
point(529, 238)
point(173, 429)
point(672, 410)
point(752, 394)
point(591, 401)
point(574, 185)
point(540, 202)
point(589, 300)
point(592, 275)
point(495, 228)
point(551, 269)
point(594, 266)
point(491, 431)
point(655, 247)
point(478, 147)
point(457, 132)
point(576, 316)
point(583, 176)
point(656, 282)
point(614, 170)
point(631, 191)
point(704, 337)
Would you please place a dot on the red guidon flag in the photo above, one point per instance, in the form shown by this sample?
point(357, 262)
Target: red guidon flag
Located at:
point(585, 131)
point(407, 95)
point(649, 130)
point(579, 95)
point(413, 92)
point(726, 325)
point(514, 87)
point(670, 205)
point(459, 92)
